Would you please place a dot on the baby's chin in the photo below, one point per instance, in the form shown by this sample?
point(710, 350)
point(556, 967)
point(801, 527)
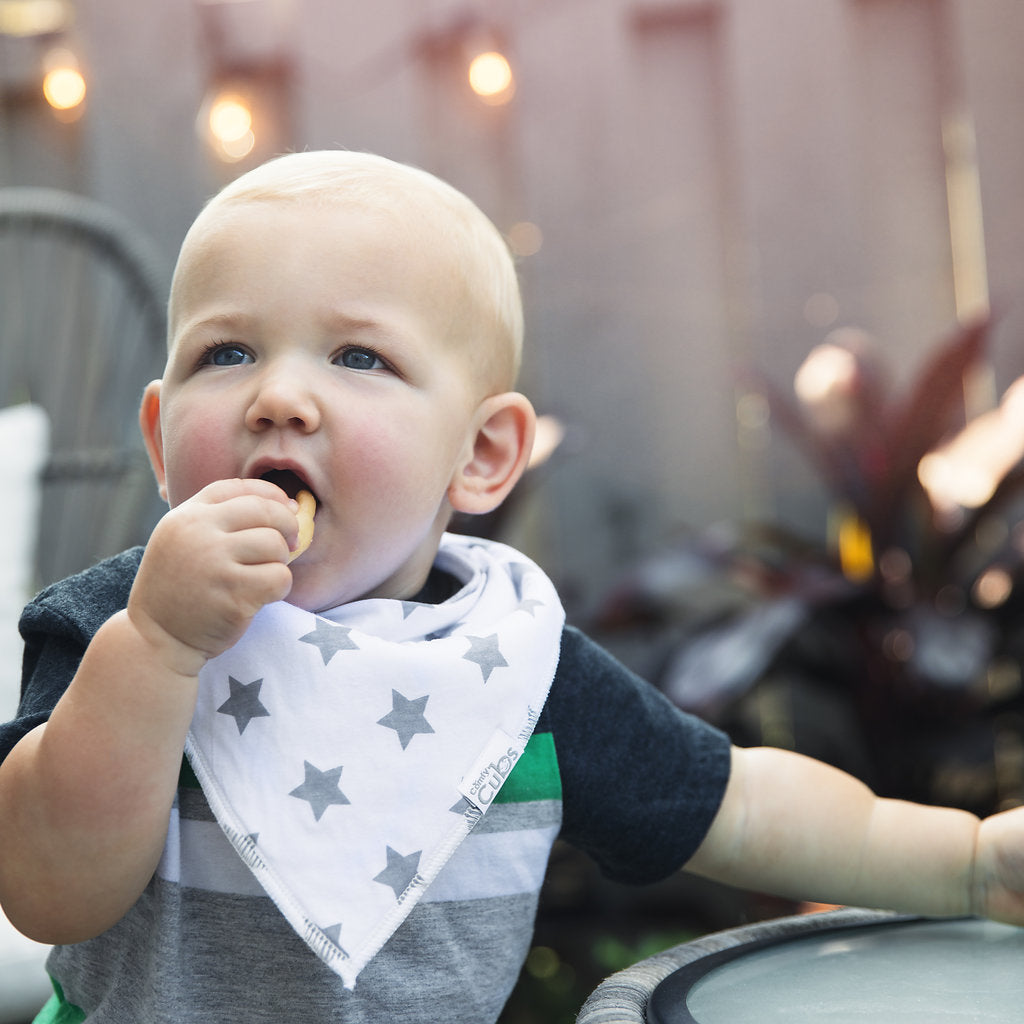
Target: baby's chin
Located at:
point(317, 600)
point(310, 595)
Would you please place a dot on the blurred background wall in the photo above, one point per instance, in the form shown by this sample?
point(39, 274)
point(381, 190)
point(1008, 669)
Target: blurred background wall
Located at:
point(693, 187)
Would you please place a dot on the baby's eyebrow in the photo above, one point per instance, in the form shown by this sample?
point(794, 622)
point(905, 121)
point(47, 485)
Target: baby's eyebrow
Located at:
point(343, 323)
point(229, 322)
point(370, 328)
point(340, 321)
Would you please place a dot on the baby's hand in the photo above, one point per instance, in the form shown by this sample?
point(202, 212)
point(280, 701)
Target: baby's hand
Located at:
point(998, 877)
point(211, 563)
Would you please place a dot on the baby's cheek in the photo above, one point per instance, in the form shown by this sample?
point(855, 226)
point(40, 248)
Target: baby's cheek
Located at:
point(390, 478)
point(197, 456)
point(368, 454)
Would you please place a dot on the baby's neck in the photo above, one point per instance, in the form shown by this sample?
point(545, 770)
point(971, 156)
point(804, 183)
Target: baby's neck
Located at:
point(439, 586)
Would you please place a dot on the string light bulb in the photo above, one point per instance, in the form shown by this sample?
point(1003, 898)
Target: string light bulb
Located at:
point(227, 123)
point(490, 77)
point(64, 85)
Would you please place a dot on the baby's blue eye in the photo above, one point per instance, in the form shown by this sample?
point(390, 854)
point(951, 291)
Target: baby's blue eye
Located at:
point(360, 359)
point(227, 355)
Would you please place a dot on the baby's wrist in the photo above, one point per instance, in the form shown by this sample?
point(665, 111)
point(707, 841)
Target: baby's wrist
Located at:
point(161, 646)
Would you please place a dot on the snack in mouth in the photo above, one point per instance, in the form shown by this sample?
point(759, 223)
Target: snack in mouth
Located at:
point(307, 508)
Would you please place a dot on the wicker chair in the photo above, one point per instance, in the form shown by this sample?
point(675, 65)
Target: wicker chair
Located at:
point(82, 323)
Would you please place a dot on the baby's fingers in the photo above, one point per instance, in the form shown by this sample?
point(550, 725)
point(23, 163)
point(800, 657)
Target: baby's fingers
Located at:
point(258, 529)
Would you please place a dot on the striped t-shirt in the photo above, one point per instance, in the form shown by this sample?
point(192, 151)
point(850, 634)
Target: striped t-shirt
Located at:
point(612, 767)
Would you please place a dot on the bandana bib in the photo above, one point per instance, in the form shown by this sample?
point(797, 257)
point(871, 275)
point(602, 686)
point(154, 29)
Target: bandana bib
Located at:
point(347, 755)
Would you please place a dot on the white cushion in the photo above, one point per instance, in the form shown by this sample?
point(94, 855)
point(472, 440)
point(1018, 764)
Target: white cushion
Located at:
point(24, 436)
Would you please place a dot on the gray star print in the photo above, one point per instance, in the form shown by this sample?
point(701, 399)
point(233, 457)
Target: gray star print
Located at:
point(483, 650)
point(244, 703)
point(329, 638)
point(400, 871)
point(406, 717)
point(320, 789)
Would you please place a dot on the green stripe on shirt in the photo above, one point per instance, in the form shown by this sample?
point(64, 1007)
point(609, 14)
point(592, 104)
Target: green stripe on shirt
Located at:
point(58, 1010)
point(535, 776)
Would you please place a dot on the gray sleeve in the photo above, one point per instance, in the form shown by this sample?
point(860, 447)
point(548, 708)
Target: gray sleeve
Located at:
point(57, 626)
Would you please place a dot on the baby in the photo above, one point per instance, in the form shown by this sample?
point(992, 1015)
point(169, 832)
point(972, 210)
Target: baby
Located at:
point(385, 735)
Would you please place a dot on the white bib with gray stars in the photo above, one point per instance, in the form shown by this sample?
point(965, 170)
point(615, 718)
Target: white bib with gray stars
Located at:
point(347, 755)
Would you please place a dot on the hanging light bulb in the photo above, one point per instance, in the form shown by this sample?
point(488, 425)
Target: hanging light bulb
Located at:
point(226, 121)
point(491, 78)
point(25, 18)
point(64, 86)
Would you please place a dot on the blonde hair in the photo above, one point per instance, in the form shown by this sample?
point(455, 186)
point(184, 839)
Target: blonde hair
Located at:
point(480, 256)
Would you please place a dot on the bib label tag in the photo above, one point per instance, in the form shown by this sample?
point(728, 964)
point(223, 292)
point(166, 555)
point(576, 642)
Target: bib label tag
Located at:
point(489, 771)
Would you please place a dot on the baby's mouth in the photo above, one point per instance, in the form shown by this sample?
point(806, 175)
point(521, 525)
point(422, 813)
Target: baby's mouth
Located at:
point(289, 482)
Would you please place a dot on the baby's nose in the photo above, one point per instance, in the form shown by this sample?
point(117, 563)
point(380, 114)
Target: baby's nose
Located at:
point(284, 398)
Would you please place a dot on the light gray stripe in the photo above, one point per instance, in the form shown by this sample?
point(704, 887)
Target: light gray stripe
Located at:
point(513, 817)
point(198, 855)
point(485, 866)
point(497, 864)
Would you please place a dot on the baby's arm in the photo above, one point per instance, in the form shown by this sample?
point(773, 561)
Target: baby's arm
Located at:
point(795, 827)
point(85, 798)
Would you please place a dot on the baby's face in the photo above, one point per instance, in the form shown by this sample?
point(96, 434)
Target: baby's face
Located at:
point(320, 346)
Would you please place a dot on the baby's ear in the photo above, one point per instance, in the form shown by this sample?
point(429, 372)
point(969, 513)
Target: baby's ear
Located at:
point(496, 455)
point(149, 424)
